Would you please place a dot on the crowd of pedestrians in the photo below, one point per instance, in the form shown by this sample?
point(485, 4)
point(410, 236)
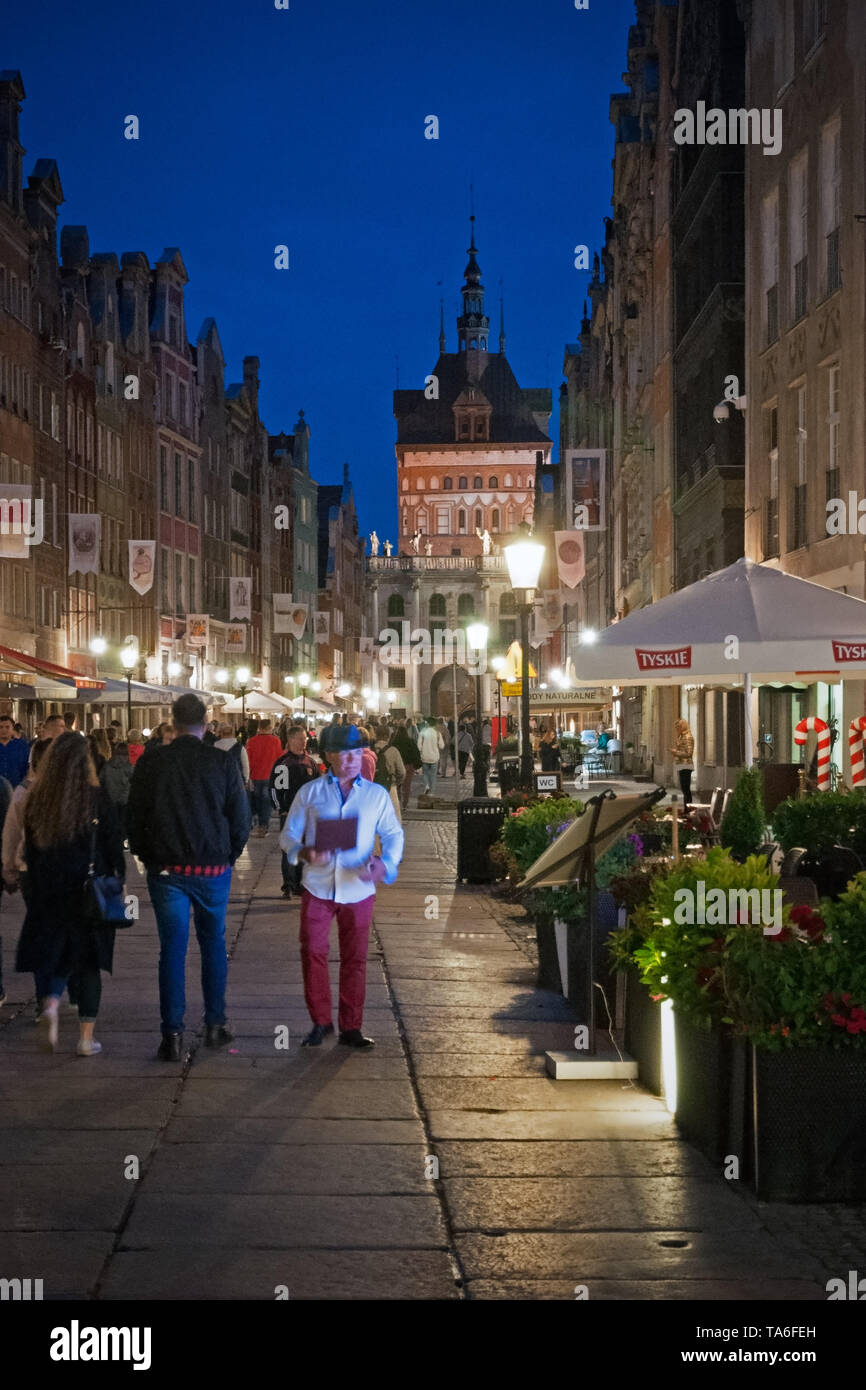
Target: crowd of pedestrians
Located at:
point(184, 802)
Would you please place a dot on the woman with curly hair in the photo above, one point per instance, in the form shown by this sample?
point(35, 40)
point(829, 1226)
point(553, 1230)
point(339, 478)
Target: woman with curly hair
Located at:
point(68, 819)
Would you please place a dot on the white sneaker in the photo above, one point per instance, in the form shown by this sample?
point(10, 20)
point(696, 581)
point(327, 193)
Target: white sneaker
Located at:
point(88, 1047)
point(48, 1024)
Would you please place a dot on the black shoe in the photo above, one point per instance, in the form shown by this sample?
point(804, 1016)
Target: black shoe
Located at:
point(171, 1047)
point(355, 1038)
point(317, 1033)
point(286, 890)
point(217, 1035)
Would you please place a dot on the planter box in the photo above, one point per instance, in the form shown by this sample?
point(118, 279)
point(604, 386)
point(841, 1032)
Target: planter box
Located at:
point(643, 1032)
point(810, 1125)
point(549, 976)
point(713, 1087)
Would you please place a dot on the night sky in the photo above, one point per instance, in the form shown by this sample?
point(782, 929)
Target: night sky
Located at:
point(306, 127)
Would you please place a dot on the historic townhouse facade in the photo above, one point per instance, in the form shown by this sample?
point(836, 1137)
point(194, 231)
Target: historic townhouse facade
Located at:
point(294, 488)
point(340, 592)
point(806, 285)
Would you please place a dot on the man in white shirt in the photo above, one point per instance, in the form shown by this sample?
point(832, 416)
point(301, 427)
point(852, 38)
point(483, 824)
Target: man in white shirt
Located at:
point(340, 882)
point(430, 745)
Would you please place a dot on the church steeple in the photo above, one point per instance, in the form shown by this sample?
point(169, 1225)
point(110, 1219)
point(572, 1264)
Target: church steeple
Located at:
point(473, 325)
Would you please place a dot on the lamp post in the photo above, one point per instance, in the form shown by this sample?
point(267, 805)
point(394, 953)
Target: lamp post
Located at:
point(524, 558)
point(129, 660)
point(242, 676)
point(303, 682)
point(477, 636)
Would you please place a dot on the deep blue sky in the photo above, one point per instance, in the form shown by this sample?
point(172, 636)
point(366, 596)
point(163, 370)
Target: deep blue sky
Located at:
point(306, 127)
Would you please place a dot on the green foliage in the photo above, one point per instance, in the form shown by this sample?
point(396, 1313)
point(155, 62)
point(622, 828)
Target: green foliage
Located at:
point(684, 963)
point(822, 820)
point(744, 823)
point(618, 860)
point(527, 834)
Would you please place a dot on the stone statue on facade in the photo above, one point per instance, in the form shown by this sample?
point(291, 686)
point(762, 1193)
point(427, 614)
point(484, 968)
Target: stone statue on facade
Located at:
point(388, 548)
point(484, 537)
point(374, 543)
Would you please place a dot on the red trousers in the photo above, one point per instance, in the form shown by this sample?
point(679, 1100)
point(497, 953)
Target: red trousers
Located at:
point(353, 925)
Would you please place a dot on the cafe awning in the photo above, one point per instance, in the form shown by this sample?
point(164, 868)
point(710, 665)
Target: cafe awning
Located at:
point(54, 682)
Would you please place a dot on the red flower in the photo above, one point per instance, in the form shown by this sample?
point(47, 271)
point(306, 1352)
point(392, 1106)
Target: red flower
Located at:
point(785, 1032)
point(840, 1020)
point(846, 999)
point(808, 920)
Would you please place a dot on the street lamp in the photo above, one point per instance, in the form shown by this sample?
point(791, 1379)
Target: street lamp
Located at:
point(524, 557)
point(99, 646)
point(129, 660)
point(477, 636)
point(242, 677)
point(221, 676)
point(174, 668)
point(303, 682)
point(344, 691)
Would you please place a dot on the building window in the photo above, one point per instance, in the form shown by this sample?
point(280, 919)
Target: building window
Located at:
point(434, 483)
point(783, 32)
point(509, 481)
point(466, 606)
point(494, 519)
point(191, 488)
point(448, 484)
point(478, 481)
point(461, 522)
point(814, 23)
point(178, 485)
point(163, 478)
point(396, 677)
point(479, 518)
point(463, 483)
point(437, 606)
point(405, 484)
point(798, 212)
point(833, 429)
point(164, 578)
point(771, 524)
point(443, 521)
point(396, 606)
point(493, 481)
point(831, 180)
point(770, 265)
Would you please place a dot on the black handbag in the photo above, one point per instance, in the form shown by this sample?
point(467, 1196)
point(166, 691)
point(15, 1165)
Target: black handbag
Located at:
point(104, 898)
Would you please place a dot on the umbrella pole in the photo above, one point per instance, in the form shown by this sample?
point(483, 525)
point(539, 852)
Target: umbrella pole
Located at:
point(747, 696)
point(591, 896)
point(724, 740)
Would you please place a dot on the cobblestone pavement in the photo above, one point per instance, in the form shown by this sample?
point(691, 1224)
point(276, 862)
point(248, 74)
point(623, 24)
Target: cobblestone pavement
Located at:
point(237, 1172)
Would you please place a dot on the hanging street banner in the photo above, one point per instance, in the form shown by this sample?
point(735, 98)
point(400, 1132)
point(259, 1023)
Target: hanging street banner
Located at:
point(570, 556)
point(85, 532)
point(236, 639)
point(289, 617)
point(241, 599)
point(323, 626)
point(142, 561)
point(197, 630)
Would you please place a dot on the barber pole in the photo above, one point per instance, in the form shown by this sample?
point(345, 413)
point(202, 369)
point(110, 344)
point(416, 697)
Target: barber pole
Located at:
point(822, 729)
point(856, 731)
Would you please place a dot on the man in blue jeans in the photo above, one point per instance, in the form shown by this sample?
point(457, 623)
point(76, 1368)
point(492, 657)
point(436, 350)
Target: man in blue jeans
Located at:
point(189, 819)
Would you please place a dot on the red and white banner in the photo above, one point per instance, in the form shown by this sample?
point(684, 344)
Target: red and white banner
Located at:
point(142, 562)
point(289, 617)
point(849, 651)
point(570, 556)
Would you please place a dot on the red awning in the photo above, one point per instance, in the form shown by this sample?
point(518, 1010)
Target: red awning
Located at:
point(48, 668)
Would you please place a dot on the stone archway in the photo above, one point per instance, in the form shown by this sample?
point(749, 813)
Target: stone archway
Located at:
point(442, 693)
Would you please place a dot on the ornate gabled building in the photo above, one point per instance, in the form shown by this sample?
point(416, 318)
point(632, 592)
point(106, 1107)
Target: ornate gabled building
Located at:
point(468, 445)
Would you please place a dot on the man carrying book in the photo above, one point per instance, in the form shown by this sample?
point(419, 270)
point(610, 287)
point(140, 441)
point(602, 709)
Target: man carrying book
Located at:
point(331, 829)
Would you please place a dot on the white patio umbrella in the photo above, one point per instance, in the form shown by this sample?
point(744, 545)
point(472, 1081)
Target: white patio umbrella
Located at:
point(742, 624)
point(258, 702)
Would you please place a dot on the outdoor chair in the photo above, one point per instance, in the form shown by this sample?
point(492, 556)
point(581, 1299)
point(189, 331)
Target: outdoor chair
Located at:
point(799, 890)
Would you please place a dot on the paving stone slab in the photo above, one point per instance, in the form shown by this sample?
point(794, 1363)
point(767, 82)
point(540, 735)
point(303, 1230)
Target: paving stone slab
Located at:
point(490, 1065)
point(546, 1124)
point(185, 1273)
point(582, 1159)
point(637, 1203)
point(195, 1130)
point(735, 1255)
point(534, 1041)
point(68, 1262)
point(269, 1094)
point(278, 1222)
point(649, 1290)
point(22, 1148)
point(536, 1093)
point(321, 1169)
point(95, 1201)
point(124, 1111)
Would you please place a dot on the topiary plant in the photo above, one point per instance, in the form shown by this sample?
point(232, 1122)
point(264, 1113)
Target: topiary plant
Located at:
point(745, 820)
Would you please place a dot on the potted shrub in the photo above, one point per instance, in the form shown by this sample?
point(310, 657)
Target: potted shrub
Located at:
point(799, 997)
point(526, 834)
point(643, 1038)
point(686, 963)
point(818, 822)
point(744, 822)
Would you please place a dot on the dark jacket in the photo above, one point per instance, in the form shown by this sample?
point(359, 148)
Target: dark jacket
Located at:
point(55, 936)
point(187, 805)
point(116, 779)
point(14, 757)
point(551, 757)
point(406, 747)
point(297, 771)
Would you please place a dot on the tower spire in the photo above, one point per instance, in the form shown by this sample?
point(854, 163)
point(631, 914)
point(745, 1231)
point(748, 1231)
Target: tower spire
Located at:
point(473, 325)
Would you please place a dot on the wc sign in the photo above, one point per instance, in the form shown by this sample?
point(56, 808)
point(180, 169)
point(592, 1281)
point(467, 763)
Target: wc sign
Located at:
point(550, 782)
